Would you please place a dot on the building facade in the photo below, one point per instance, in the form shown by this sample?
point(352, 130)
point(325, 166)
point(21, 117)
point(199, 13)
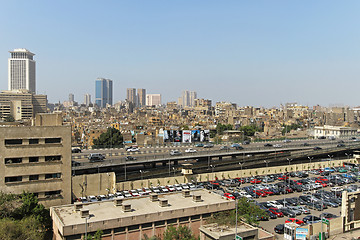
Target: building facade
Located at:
point(333, 131)
point(21, 104)
point(21, 70)
point(153, 99)
point(131, 96)
point(87, 99)
point(103, 92)
point(37, 159)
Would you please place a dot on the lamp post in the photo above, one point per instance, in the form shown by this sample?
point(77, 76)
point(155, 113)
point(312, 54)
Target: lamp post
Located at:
point(174, 170)
point(86, 218)
point(169, 168)
point(289, 160)
point(348, 155)
point(241, 165)
point(330, 156)
point(212, 173)
point(310, 158)
point(141, 175)
point(125, 169)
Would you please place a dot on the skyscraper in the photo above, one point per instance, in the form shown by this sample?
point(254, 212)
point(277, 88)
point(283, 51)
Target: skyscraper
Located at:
point(141, 97)
point(21, 70)
point(131, 95)
point(192, 97)
point(71, 97)
point(87, 99)
point(103, 92)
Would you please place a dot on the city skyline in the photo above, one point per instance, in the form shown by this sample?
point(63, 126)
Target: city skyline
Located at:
point(249, 53)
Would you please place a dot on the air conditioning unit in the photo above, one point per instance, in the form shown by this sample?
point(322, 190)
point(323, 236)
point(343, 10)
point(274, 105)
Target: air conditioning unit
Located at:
point(163, 202)
point(154, 197)
point(197, 198)
point(186, 193)
point(84, 213)
point(78, 206)
point(126, 207)
point(118, 202)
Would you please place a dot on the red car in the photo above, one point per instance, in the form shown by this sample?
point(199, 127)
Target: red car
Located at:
point(256, 181)
point(284, 177)
point(240, 180)
point(268, 192)
point(323, 179)
point(229, 196)
point(260, 193)
point(295, 220)
point(321, 182)
point(276, 211)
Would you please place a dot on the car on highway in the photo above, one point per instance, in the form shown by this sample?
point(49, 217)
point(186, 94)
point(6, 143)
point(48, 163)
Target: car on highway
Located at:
point(96, 157)
point(340, 145)
point(130, 158)
point(224, 148)
point(199, 145)
point(75, 163)
point(76, 150)
point(209, 145)
point(268, 145)
point(305, 144)
point(277, 146)
point(246, 142)
point(133, 150)
point(287, 140)
point(175, 153)
point(317, 148)
point(190, 150)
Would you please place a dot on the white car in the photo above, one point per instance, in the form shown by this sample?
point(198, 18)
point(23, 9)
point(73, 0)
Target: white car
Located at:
point(336, 189)
point(275, 204)
point(277, 146)
point(190, 150)
point(133, 150)
point(178, 187)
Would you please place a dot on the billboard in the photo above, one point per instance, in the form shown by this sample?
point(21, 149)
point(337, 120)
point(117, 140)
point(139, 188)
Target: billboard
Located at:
point(186, 136)
point(177, 136)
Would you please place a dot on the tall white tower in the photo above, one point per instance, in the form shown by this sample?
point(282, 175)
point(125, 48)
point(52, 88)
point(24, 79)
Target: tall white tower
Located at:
point(21, 70)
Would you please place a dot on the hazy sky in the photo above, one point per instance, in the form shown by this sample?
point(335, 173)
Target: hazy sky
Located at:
point(260, 53)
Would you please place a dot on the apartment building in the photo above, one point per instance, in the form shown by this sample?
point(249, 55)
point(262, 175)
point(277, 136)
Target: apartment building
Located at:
point(37, 159)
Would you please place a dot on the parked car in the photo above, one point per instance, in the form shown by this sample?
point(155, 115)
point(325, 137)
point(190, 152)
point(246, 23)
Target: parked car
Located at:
point(295, 220)
point(311, 218)
point(229, 196)
point(327, 215)
point(276, 211)
point(279, 228)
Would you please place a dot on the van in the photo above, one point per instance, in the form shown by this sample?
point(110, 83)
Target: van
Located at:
point(96, 157)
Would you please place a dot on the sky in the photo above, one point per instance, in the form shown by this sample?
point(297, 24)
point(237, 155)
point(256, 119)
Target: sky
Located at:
point(257, 53)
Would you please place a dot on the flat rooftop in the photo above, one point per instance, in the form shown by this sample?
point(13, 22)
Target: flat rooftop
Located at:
point(142, 207)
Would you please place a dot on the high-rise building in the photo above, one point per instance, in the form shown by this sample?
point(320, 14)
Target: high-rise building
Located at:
point(21, 70)
point(103, 92)
point(71, 97)
point(153, 99)
point(87, 99)
point(131, 95)
point(187, 98)
point(141, 95)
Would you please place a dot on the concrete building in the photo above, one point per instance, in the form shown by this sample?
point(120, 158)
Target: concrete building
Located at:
point(141, 97)
point(131, 96)
point(103, 92)
point(37, 159)
point(87, 99)
point(153, 99)
point(21, 70)
point(245, 231)
point(130, 219)
point(329, 131)
point(350, 210)
point(187, 99)
point(21, 104)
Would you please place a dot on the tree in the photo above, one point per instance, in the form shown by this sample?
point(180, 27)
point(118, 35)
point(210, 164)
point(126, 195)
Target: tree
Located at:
point(249, 211)
point(180, 233)
point(111, 138)
point(150, 238)
point(9, 118)
point(220, 128)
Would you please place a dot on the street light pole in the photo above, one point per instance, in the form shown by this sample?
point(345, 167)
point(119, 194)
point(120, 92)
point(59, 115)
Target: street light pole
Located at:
point(241, 165)
point(330, 156)
point(169, 168)
point(289, 160)
point(141, 175)
point(310, 158)
point(212, 173)
point(174, 170)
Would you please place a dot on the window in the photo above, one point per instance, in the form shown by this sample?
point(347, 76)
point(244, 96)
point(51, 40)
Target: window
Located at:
point(52, 140)
point(119, 230)
point(13, 179)
point(52, 175)
point(183, 219)
point(195, 217)
point(159, 223)
point(13, 160)
point(206, 215)
point(172, 221)
point(33, 141)
point(133, 227)
point(33, 177)
point(52, 158)
point(33, 159)
point(13, 141)
point(146, 225)
point(52, 193)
